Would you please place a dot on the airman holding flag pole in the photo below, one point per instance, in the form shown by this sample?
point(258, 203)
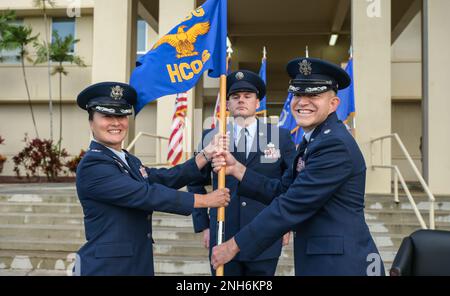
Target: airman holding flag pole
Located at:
point(322, 196)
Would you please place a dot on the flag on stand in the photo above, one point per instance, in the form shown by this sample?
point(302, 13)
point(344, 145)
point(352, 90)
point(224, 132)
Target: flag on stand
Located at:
point(177, 129)
point(346, 109)
point(262, 110)
point(287, 121)
point(178, 59)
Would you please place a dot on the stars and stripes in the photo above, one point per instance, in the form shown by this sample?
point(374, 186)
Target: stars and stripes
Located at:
point(177, 129)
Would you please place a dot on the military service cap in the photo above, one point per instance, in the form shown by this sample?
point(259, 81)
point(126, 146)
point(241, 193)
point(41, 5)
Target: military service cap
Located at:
point(113, 98)
point(314, 76)
point(244, 80)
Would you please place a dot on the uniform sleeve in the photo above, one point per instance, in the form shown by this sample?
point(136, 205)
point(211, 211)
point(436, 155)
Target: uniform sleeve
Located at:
point(100, 179)
point(200, 217)
point(262, 188)
point(177, 176)
point(327, 168)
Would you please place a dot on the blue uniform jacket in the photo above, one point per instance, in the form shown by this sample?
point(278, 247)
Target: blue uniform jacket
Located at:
point(118, 201)
point(324, 204)
point(243, 208)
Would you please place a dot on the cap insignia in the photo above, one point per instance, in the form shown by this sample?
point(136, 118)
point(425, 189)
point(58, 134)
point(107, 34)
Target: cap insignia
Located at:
point(305, 67)
point(239, 76)
point(116, 92)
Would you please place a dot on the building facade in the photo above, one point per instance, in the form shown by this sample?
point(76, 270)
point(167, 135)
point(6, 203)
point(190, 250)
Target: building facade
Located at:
point(399, 70)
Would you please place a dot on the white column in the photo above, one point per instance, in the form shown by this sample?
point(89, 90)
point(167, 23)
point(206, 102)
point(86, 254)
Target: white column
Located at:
point(436, 99)
point(371, 41)
point(114, 43)
point(171, 13)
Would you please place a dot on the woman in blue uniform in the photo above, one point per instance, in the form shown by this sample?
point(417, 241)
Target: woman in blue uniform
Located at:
point(118, 194)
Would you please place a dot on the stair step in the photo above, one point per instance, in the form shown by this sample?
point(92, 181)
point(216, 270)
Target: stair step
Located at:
point(29, 244)
point(78, 219)
point(188, 265)
point(404, 216)
point(12, 260)
point(400, 228)
point(421, 205)
point(38, 198)
point(31, 260)
point(61, 208)
point(41, 218)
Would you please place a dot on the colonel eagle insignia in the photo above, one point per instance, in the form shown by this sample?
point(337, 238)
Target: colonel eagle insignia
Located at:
point(184, 41)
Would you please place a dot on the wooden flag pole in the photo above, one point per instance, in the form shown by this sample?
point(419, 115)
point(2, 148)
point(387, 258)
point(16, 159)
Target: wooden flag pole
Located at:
point(221, 179)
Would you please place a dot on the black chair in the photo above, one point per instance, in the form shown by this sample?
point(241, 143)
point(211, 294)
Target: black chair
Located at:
point(423, 253)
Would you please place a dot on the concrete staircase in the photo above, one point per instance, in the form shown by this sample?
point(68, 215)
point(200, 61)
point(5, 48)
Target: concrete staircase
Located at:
point(41, 228)
point(390, 222)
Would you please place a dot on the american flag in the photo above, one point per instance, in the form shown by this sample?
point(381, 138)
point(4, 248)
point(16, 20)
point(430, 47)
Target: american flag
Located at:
point(176, 136)
point(216, 112)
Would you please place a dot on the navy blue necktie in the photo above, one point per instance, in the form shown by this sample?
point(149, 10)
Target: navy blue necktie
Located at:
point(242, 146)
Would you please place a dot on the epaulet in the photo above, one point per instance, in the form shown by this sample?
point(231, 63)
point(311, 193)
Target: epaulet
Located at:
point(327, 131)
point(94, 150)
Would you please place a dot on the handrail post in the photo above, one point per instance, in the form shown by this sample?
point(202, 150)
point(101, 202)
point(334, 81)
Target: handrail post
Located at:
point(432, 222)
point(158, 150)
point(411, 200)
point(396, 199)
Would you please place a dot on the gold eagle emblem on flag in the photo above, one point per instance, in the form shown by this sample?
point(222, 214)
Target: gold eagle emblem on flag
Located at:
point(183, 41)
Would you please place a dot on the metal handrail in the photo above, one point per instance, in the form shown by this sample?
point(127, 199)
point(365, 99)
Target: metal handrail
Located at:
point(402, 180)
point(158, 147)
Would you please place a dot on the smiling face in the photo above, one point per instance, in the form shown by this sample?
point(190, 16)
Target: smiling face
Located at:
point(243, 104)
point(313, 109)
point(109, 130)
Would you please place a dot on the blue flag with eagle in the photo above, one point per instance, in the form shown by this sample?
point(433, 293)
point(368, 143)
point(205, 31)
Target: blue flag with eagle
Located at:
point(177, 60)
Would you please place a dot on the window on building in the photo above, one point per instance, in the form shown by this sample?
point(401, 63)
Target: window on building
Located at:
point(64, 27)
point(141, 38)
point(11, 56)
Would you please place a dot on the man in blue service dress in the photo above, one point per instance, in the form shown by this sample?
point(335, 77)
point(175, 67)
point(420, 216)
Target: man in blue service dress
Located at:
point(118, 194)
point(257, 145)
point(322, 197)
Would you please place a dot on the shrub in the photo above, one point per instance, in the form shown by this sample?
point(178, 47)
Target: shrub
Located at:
point(40, 156)
point(72, 164)
point(2, 157)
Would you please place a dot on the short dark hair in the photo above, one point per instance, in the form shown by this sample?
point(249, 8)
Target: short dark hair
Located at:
point(91, 114)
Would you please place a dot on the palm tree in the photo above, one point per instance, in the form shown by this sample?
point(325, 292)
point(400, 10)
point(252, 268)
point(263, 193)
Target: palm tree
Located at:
point(44, 4)
point(18, 37)
point(5, 18)
point(60, 52)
